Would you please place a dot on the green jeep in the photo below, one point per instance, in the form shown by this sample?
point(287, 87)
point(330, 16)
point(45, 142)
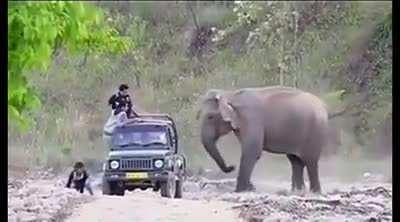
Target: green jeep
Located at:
point(144, 154)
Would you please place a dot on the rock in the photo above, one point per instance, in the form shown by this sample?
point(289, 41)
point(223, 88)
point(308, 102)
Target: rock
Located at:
point(21, 193)
point(44, 217)
point(12, 216)
point(41, 198)
point(44, 196)
point(57, 207)
point(31, 201)
point(283, 192)
point(277, 218)
point(14, 184)
point(24, 216)
point(12, 219)
point(32, 190)
point(191, 187)
point(16, 203)
point(366, 175)
point(35, 209)
point(256, 219)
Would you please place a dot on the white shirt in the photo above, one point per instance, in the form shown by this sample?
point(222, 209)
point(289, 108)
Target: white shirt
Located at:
point(115, 121)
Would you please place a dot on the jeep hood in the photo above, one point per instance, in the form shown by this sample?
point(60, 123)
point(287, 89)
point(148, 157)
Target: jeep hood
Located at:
point(137, 153)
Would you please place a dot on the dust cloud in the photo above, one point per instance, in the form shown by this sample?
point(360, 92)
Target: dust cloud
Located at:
point(273, 169)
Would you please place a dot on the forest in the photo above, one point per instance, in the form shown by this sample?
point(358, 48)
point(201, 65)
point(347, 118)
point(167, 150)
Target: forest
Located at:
point(66, 59)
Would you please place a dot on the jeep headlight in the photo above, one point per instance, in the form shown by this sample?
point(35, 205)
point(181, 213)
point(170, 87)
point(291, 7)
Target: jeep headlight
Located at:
point(158, 163)
point(114, 164)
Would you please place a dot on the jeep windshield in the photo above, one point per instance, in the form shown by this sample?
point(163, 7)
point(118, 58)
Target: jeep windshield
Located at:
point(140, 137)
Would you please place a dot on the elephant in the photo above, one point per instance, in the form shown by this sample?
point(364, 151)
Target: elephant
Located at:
point(276, 119)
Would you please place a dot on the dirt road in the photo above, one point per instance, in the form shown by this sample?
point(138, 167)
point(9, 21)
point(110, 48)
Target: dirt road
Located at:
point(212, 200)
point(149, 206)
point(204, 200)
point(365, 196)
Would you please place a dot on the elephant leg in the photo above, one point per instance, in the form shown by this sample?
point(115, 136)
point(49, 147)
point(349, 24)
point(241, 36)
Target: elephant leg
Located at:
point(297, 172)
point(251, 152)
point(247, 163)
point(312, 170)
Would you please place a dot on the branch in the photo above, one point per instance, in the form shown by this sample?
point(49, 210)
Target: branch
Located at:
point(348, 107)
point(84, 60)
point(342, 112)
point(135, 72)
point(189, 7)
point(336, 114)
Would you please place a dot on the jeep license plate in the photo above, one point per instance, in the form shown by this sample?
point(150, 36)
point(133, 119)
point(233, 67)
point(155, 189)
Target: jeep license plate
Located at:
point(136, 175)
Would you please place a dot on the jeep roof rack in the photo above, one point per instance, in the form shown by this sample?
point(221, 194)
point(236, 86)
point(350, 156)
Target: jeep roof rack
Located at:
point(156, 117)
point(149, 117)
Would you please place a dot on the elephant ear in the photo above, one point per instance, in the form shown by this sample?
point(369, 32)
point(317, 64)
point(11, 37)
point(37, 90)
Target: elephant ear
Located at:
point(203, 102)
point(228, 112)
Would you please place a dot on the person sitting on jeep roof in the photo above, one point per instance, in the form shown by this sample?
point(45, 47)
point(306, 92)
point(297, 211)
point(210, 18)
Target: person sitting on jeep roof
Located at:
point(122, 111)
point(122, 98)
point(117, 118)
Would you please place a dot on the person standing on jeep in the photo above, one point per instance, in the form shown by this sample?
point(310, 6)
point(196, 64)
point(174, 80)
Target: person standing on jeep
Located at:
point(122, 98)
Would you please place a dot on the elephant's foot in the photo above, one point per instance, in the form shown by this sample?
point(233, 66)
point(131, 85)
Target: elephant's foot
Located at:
point(316, 191)
point(315, 188)
point(228, 169)
point(244, 188)
point(298, 189)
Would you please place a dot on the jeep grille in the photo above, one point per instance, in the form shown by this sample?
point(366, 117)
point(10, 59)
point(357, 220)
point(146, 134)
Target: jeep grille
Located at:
point(136, 164)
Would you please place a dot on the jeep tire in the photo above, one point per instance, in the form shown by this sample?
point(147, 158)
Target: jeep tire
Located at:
point(112, 189)
point(119, 191)
point(106, 188)
point(118, 188)
point(168, 188)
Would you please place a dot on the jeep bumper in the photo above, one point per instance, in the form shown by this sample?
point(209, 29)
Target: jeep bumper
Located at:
point(144, 176)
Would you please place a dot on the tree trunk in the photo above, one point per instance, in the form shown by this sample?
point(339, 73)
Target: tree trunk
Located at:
point(295, 51)
point(190, 9)
point(281, 80)
point(137, 79)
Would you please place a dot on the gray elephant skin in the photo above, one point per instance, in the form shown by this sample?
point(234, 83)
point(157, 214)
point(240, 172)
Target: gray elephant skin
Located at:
point(281, 120)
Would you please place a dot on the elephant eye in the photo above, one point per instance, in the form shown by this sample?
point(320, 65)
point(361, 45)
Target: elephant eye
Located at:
point(210, 117)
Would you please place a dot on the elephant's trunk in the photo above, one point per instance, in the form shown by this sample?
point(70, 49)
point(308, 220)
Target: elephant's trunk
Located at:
point(211, 148)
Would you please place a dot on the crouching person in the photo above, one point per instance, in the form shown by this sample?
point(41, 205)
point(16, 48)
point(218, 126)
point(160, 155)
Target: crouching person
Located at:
point(79, 178)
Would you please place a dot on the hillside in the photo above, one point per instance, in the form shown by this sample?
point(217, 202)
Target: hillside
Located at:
point(341, 51)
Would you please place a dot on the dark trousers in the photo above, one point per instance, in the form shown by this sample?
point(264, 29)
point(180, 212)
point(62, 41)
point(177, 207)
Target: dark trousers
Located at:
point(80, 185)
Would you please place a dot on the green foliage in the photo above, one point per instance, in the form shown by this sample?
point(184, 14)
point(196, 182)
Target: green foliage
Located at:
point(36, 30)
point(378, 55)
point(316, 49)
point(334, 99)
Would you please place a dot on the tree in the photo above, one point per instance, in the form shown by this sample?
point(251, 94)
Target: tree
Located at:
point(36, 31)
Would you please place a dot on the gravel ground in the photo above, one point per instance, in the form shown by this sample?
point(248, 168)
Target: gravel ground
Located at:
point(42, 196)
point(364, 201)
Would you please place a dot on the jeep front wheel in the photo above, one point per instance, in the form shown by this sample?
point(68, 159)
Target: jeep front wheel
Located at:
point(106, 188)
point(168, 188)
point(118, 188)
point(112, 188)
point(120, 191)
